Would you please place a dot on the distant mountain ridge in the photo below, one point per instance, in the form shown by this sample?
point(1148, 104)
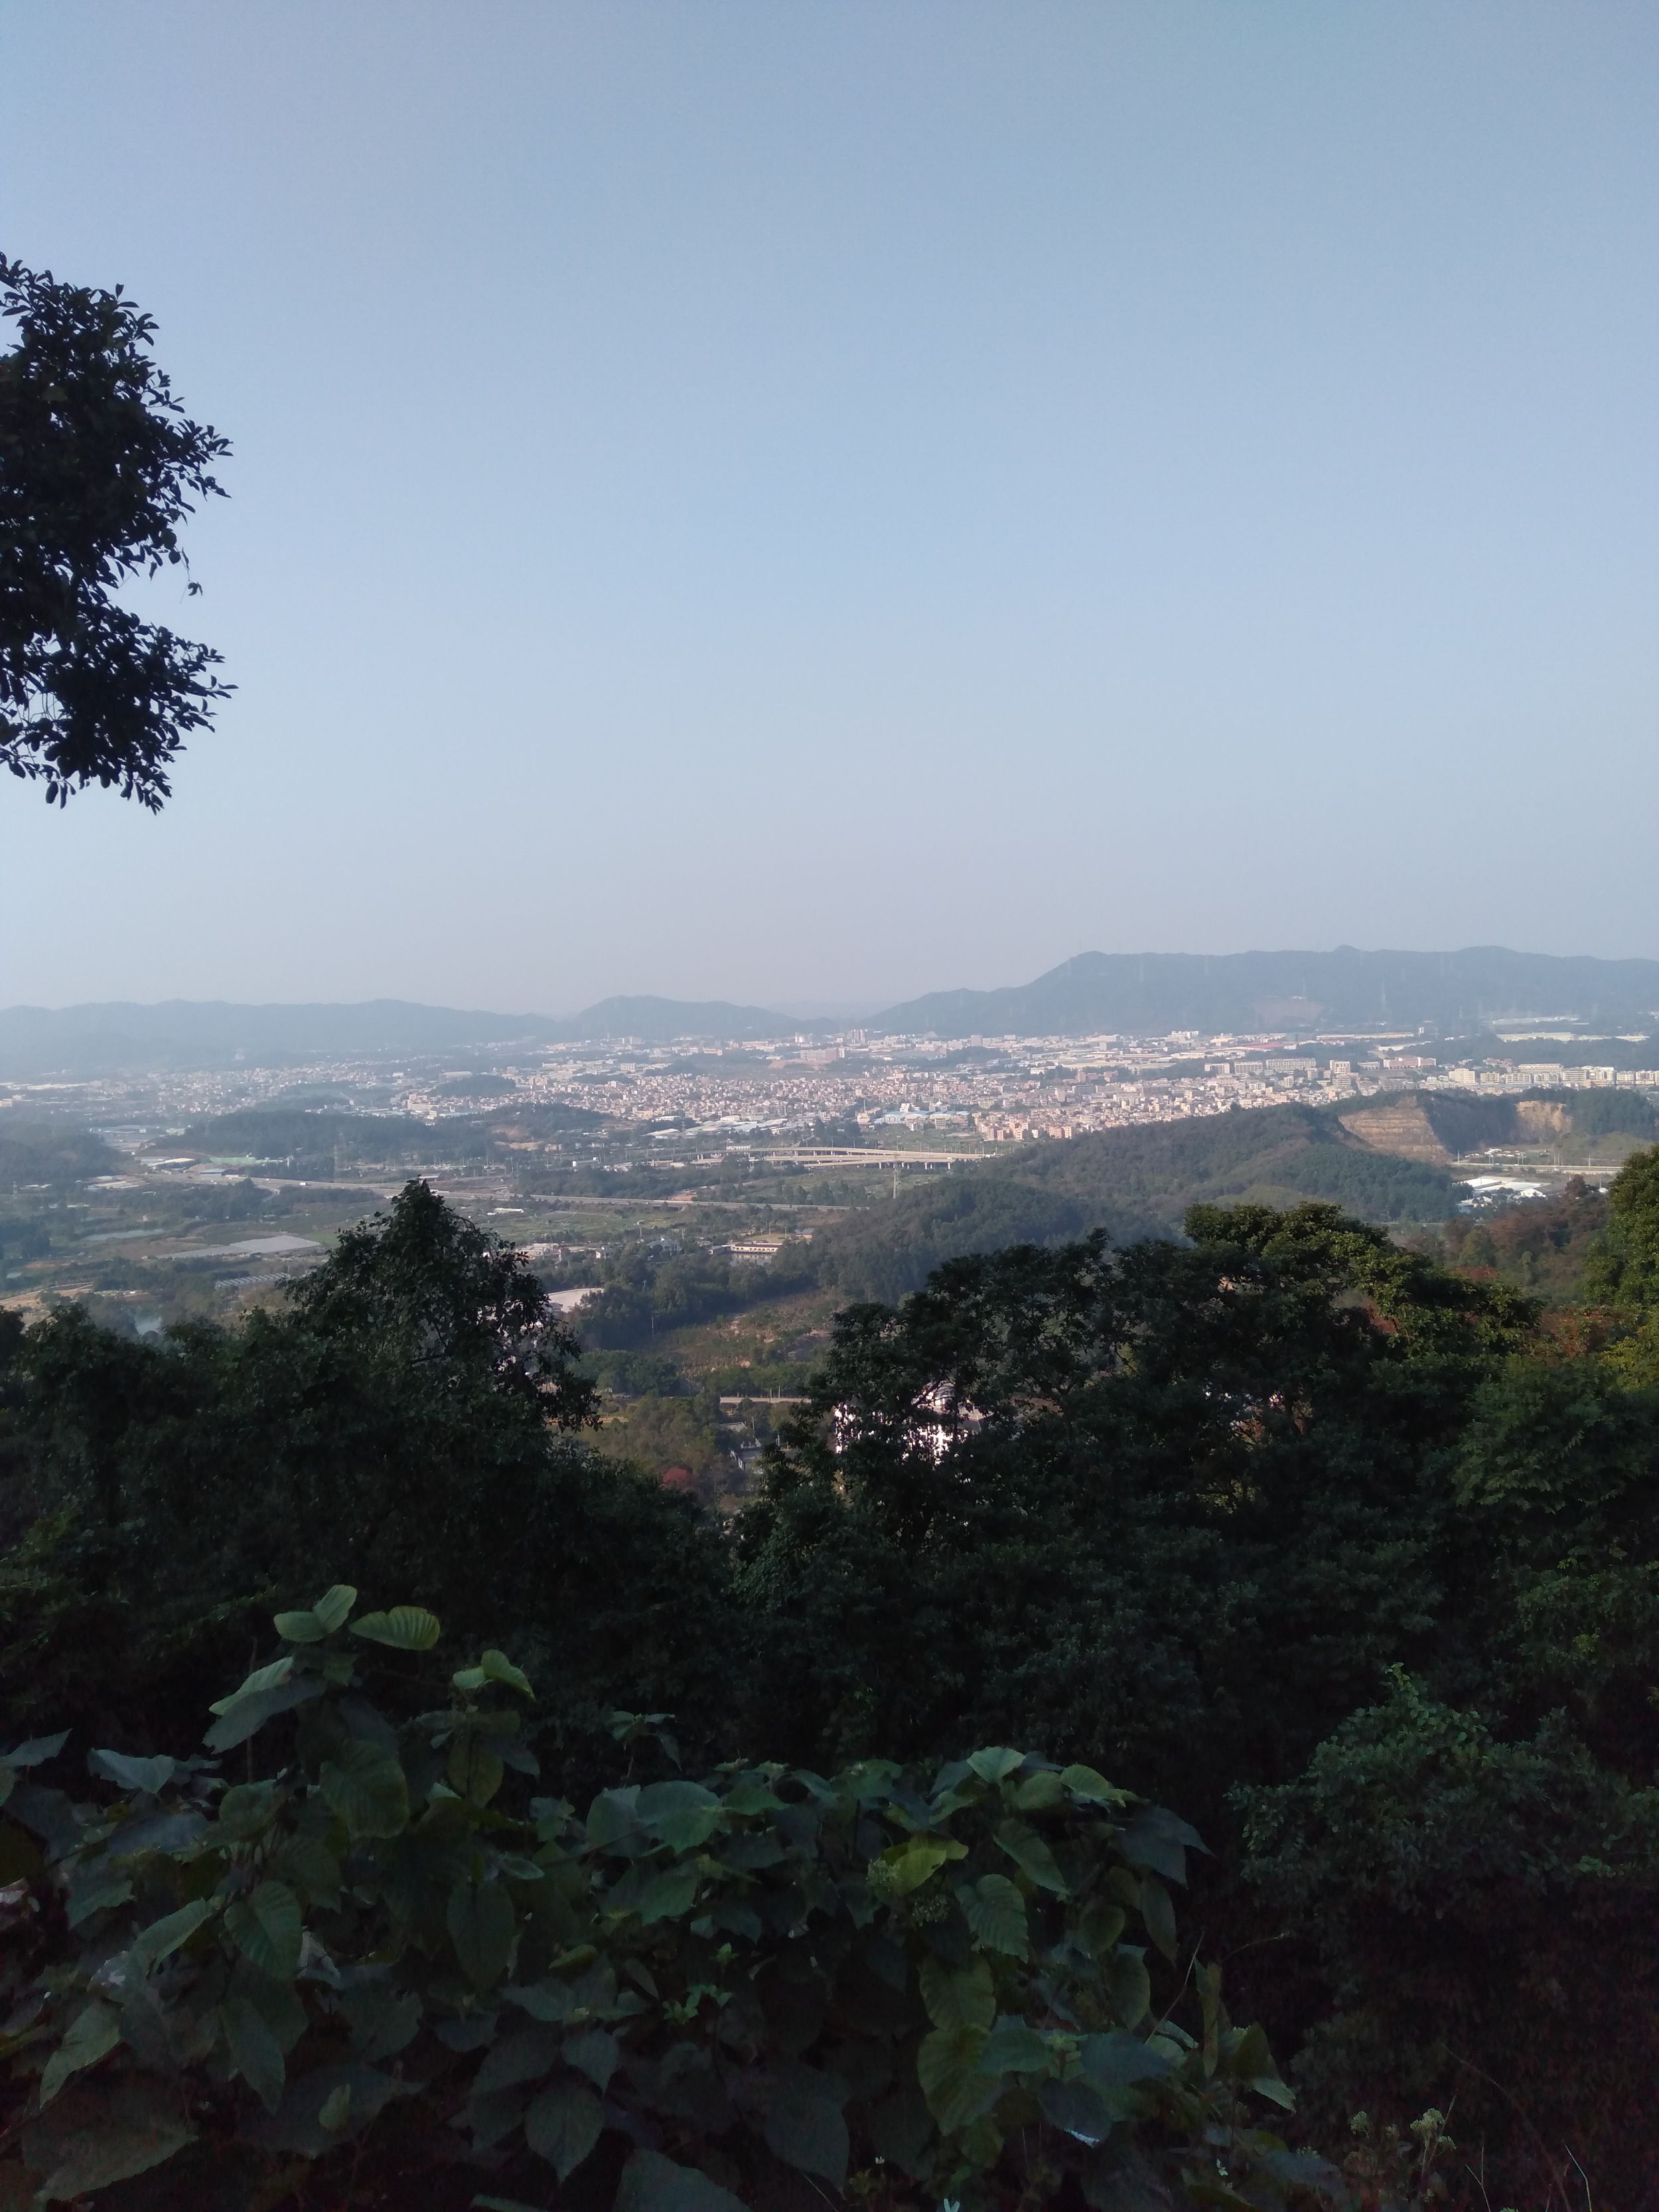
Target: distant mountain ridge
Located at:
point(120, 1037)
point(1134, 993)
point(1149, 993)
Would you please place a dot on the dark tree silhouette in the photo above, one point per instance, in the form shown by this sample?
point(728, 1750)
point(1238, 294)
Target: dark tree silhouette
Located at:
point(99, 466)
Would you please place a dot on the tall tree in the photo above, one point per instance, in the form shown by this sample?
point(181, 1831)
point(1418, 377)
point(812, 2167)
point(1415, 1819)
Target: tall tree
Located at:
point(98, 467)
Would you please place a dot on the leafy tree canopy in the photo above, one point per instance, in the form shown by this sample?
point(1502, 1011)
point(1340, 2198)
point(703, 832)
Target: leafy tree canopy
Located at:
point(98, 467)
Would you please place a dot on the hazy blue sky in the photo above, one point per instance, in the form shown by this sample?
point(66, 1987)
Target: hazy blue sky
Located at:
point(826, 499)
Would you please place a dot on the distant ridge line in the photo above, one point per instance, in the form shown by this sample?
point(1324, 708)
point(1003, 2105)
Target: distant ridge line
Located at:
point(1132, 993)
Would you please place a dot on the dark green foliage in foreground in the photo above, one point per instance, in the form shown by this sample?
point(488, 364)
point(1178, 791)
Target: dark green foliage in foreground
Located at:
point(1178, 1512)
point(364, 1968)
point(98, 468)
point(413, 1418)
point(1182, 1512)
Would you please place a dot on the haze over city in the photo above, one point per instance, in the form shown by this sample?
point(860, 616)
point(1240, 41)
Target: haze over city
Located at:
point(811, 507)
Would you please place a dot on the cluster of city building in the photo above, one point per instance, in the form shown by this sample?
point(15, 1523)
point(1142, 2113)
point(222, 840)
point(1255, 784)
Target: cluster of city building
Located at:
point(964, 1092)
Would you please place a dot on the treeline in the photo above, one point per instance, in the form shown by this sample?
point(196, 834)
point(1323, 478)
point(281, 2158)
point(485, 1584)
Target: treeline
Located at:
point(1346, 1556)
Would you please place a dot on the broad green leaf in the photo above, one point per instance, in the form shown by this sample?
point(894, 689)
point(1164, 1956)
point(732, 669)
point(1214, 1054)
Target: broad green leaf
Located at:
point(1079, 2110)
point(147, 1775)
point(481, 1926)
point(669, 1894)
point(683, 1814)
point(1013, 2048)
point(162, 1937)
point(383, 2020)
point(266, 1928)
point(36, 1751)
point(805, 2126)
point(84, 2144)
point(611, 1816)
point(913, 1862)
point(1155, 1837)
point(298, 1627)
point(749, 1795)
point(367, 1787)
point(651, 2183)
point(254, 2051)
point(1129, 1985)
point(1250, 2060)
point(957, 1997)
point(1158, 1911)
point(405, 1628)
point(336, 2108)
point(243, 1716)
point(594, 2053)
point(246, 1809)
point(947, 2067)
point(473, 1769)
point(1040, 1792)
point(262, 1679)
point(563, 2125)
point(1117, 2061)
point(996, 1912)
point(526, 2054)
point(1094, 1789)
point(498, 1667)
point(1032, 1856)
point(92, 2034)
point(333, 1608)
point(996, 1764)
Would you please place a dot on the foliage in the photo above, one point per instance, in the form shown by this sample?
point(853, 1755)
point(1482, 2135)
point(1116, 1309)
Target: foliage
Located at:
point(413, 1415)
point(1541, 1245)
point(1216, 1475)
point(1624, 1268)
point(98, 467)
point(1467, 1898)
point(354, 1961)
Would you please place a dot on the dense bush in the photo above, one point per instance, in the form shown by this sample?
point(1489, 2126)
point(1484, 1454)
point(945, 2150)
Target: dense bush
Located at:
point(357, 1955)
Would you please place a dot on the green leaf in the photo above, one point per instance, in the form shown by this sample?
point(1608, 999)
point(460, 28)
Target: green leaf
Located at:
point(1129, 1985)
point(498, 1667)
point(995, 1763)
point(333, 1608)
point(367, 1787)
point(1040, 1792)
point(958, 1997)
point(298, 1627)
point(1158, 1911)
point(670, 1894)
point(336, 2108)
point(246, 1809)
point(1014, 2048)
point(595, 2053)
point(91, 2035)
point(1117, 2061)
point(947, 2067)
point(37, 1750)
point(262, 1679)
point(916, 1861)
point(383, 2020)
point(254, 2051)
point(162, 1937)
point(527, 2054)
point(243, 1716)
point(147, 1775)
point(405, 1628)
point(481, 1926)
point(1250, 2060)
point(683, 1814)
point(996, 1912)
point(1032, 1856)
point(651, 2183)
point(266, 1928)
point(805, 2126)
point(87, 2142)
point(563, 2125)
point(1094, 1789)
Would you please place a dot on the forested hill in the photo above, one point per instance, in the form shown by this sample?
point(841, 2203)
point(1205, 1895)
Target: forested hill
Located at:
point(1132, 1183)
point(1149, 993)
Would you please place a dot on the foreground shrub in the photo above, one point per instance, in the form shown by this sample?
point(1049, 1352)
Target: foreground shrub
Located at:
point(361, 1971)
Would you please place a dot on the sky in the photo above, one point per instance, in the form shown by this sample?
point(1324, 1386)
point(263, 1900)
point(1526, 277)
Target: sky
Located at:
point(810, 504)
